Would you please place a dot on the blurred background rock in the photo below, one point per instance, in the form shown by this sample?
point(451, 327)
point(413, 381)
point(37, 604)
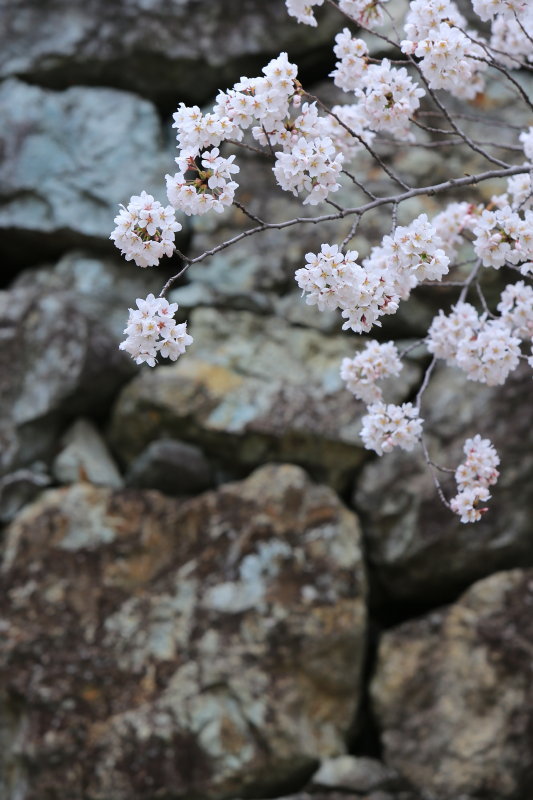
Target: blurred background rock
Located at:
point(179, 620)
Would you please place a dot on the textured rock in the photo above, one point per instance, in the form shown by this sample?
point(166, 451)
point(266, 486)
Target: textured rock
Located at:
point(358, 774)
point(21, 487)
point(418, 549)
point(104, 287)
point(171, 467)
point(185, 49)
point(453, 694)
point(154, 647)
point(68, 159)
point(251, 389)
point(85, 457)
point(55, 363)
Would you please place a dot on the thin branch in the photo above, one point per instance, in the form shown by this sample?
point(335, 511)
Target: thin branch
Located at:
point(436, 481)
point(250, 147)
point(471, 278)
point(360, 185)
point(424, 385)
point(409, 348)
point(437, 188)
point(351, 233)
point(248, 213)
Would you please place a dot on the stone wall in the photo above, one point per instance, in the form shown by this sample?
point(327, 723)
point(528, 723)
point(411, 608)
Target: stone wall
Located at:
point(209, 589)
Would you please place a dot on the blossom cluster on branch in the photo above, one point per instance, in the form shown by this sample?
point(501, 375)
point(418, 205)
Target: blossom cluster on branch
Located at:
point(315, 150)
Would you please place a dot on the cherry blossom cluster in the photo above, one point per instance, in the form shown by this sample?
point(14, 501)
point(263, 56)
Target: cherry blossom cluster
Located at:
point(389, 97)
point(365, 12)
point(412, 254)
point(196, 131)
point(302, 10)
point(353, 61)
point(487, 9)
point(450, 224)
point(346, 127)
point(516, 309)
point(503, 236)
point(437, 32)
point(446, 60)
point(375, 362)
point(334, 280)
point(263, 100)
point(512, 39)
point(309, 145)
point(485, 349)
point(519, 194)
point(152, 331)
point(210, 187)
point(311, 168)
point(388, 426)
point(474, 476)
point(145, 230)
point(426, 15)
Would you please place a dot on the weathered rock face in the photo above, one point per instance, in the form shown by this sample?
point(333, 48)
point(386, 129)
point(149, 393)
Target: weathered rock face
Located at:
point(358, 774)
point(186, 49)
point(68, 160)
point(453, 694)
point(55, 362)
point(251, 389)
point(157, 648)
point(104, 287)
point(421, 552)
point(84, 456)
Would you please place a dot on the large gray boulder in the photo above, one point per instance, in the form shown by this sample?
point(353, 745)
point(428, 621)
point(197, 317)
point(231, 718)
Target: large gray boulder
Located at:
point(69, 159)
point(104, 287)
point(453, 694)
point(177, 49)
point(155, 648)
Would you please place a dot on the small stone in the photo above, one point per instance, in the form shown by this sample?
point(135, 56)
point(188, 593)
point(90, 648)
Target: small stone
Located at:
point(85, 457)
point(359, 774)
point(171, 467)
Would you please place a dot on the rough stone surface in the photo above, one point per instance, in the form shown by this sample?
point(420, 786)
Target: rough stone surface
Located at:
point(20, 487)
point(158, 48)
point(55, 362)
point(420, 551)
point(104, 287)
point(68, 160)
point(358, 774)
point(156, 648)
point(171, 467)
point(453, 694)
point(252, 389)
point(85, 457)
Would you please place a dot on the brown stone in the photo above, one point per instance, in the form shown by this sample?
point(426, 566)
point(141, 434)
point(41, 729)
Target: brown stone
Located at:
point(154, 647)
